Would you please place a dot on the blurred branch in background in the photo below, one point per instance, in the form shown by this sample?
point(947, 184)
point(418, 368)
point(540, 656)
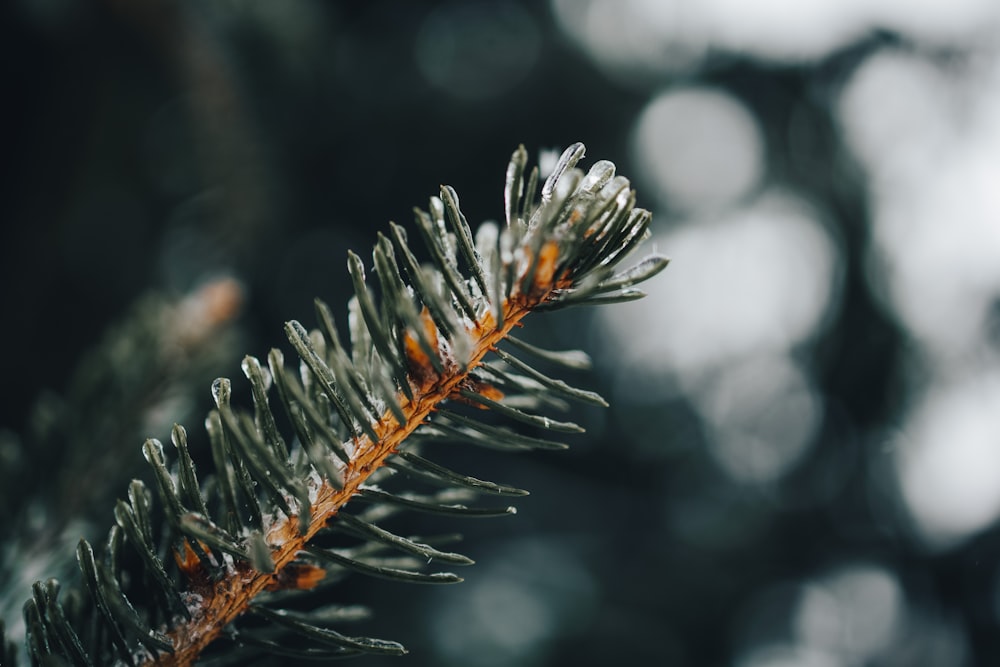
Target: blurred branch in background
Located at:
point(62, 475)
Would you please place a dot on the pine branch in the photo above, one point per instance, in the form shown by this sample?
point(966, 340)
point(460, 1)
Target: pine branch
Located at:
point(252, 529)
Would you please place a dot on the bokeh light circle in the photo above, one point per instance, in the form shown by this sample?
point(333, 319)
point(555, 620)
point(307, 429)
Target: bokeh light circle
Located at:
point(698, 148)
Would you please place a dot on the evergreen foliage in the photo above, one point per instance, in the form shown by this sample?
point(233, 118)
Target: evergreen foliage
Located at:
point(235, 555)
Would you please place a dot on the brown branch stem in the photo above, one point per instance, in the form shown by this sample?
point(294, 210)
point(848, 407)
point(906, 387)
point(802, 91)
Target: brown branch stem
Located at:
point(225, 600)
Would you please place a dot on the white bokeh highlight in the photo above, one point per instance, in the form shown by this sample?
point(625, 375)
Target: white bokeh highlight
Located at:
point(720, 327)
point(948, 460)
point(762, 414)
point(698, 148)
point(634, 40)
point(854, 613)
point(761, 279)
point(931, 143)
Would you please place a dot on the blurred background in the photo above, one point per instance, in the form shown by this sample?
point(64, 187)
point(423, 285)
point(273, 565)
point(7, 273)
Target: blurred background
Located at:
point(801, 464)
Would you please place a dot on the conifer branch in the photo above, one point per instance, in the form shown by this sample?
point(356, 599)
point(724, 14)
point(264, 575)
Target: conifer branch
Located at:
point(224, 603)
point(251, 531)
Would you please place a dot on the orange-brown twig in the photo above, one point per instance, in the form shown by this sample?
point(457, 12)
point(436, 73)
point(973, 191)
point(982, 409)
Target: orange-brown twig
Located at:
point(225, 600)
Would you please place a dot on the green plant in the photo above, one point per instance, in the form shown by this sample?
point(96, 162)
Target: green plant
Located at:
point(218, 555)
